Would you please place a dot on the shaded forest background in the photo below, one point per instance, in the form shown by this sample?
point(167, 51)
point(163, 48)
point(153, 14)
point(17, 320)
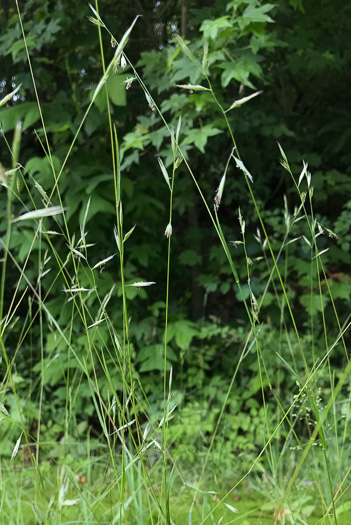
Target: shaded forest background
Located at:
point(298, 54)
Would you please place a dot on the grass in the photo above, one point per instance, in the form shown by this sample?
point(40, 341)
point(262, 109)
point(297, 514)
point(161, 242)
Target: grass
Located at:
point(129, 472)
point(80, 500)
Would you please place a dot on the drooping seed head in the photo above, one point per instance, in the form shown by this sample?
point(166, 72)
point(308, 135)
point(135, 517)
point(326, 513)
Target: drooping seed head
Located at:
point(168, 230)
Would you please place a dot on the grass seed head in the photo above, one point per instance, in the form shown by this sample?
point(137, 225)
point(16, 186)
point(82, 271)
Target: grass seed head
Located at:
point(168, 230)
point(123, 62)
point(219, 193)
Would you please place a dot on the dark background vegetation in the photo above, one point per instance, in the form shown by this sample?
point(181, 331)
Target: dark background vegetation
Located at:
point(298, 54)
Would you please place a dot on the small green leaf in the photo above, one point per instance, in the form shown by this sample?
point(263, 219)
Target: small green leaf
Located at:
point(253, 14)
point(211, 28)
point(11, 115)
point(241, 70)
point(31, 117)
point(154, 362)
point(116, 89)
point(152, 358)
point(315, 303)
point(184, 332)
point(199, 136)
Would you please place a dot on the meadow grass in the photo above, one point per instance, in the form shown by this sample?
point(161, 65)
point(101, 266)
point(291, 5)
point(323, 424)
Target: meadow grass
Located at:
point(128, 474)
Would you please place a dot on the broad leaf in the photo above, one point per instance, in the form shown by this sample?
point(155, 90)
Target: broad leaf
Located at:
point(199, 136)
point(211, 28)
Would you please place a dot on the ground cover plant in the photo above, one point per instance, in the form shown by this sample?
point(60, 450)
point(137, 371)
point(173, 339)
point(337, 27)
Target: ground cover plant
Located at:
point(174, 328)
